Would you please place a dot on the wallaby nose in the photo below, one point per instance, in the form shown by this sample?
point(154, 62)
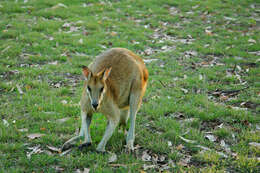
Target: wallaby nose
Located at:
point(95, 105)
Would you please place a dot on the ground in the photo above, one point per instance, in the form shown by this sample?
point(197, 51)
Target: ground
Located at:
point(201, 109)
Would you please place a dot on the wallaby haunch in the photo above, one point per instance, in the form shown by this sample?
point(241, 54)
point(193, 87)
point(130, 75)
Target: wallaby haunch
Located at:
point(114, 86)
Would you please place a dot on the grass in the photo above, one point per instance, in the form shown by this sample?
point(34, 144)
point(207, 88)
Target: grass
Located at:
point(202, 50)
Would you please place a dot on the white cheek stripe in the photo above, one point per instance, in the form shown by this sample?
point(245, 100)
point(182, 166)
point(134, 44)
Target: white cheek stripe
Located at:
point(89, 96)
point(101, 97)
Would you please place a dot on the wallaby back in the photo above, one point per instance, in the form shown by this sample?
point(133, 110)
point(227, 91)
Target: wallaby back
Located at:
point(127, 68)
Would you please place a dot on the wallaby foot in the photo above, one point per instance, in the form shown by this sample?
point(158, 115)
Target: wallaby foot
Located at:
point(101, 149)
point(84, 145)
point(101, 152)
point(70, 143)
point(130, 144)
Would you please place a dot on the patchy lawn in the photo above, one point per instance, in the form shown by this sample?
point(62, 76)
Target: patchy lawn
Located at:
point(202, 106)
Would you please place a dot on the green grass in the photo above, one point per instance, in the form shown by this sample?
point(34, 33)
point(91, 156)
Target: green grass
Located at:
point(40, 50)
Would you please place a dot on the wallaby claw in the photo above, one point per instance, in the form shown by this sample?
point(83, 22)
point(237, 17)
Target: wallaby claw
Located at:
point(84, 145)
point(130, 145)
point(100, 149)
point(102, 152)
point(66, 147)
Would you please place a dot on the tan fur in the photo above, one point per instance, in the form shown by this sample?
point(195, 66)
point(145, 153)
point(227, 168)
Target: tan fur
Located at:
point(123, 76)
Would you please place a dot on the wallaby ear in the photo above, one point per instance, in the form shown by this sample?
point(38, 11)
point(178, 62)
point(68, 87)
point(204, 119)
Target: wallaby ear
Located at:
point(106, 73)
point(86, 72)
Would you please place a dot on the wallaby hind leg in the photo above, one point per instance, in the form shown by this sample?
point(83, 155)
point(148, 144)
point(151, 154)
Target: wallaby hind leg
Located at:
point(113, 120)
point(124, 115)
point(84, 132)
point(134, 106)
point(111, 125)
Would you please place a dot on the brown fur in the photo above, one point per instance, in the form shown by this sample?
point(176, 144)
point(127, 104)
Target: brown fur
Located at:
point(124, 77)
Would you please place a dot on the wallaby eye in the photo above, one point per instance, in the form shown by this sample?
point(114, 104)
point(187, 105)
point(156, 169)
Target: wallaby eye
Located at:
point(101, 89)
point(89, 89)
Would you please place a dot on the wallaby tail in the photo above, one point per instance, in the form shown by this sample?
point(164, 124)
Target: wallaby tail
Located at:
point(145, 75)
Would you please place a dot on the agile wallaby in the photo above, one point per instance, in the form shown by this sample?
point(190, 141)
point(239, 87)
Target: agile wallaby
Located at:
point(114, 86)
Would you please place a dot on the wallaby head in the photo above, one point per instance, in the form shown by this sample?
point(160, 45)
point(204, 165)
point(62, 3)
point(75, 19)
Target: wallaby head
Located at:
point(96, 85)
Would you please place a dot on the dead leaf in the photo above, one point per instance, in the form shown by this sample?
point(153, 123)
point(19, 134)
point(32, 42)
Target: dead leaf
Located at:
point(185, 161)
point(187, 140)
point(59, 5)
point(66, 152)
point(146, 157)
point(190, 53)
point(223, 98)
point(229, 18)
point(180, 147)
point(204, 148)
point(161, 158)
point(28, 87)
point(35, 150)
point(62, 120)
point(53, 63)
point(35, 135)
point(54, 149)
point(255, 53)
point(221, 125)
point(48, 152)
point(190, 120)
point(257, 127)
point(19, 89)
point(237, 108)
point(146, 167)
point(208, 32)
point(184, 90)
point(195, 7)
point(6, 124)
point(255, 144)
point(58, 168)
point(149, 60)
point(148, 51)
point(5, 49)
point(64, 102)
point(222, 154)
point(211, 138)
point(42, 128)
point(113, 34)
point(164, 47)
point(66, 25)
point(81, 41)
point(57, 85)
point(112, 158)
point(118, 165)
point(86, 170)
point(200, 77)
point(173, 10)
point(169, 144)
point(251, 41)
point(23, 130)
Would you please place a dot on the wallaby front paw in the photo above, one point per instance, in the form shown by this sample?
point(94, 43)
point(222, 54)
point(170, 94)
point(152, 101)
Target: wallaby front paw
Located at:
point(130, 145)
point(84, 145)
